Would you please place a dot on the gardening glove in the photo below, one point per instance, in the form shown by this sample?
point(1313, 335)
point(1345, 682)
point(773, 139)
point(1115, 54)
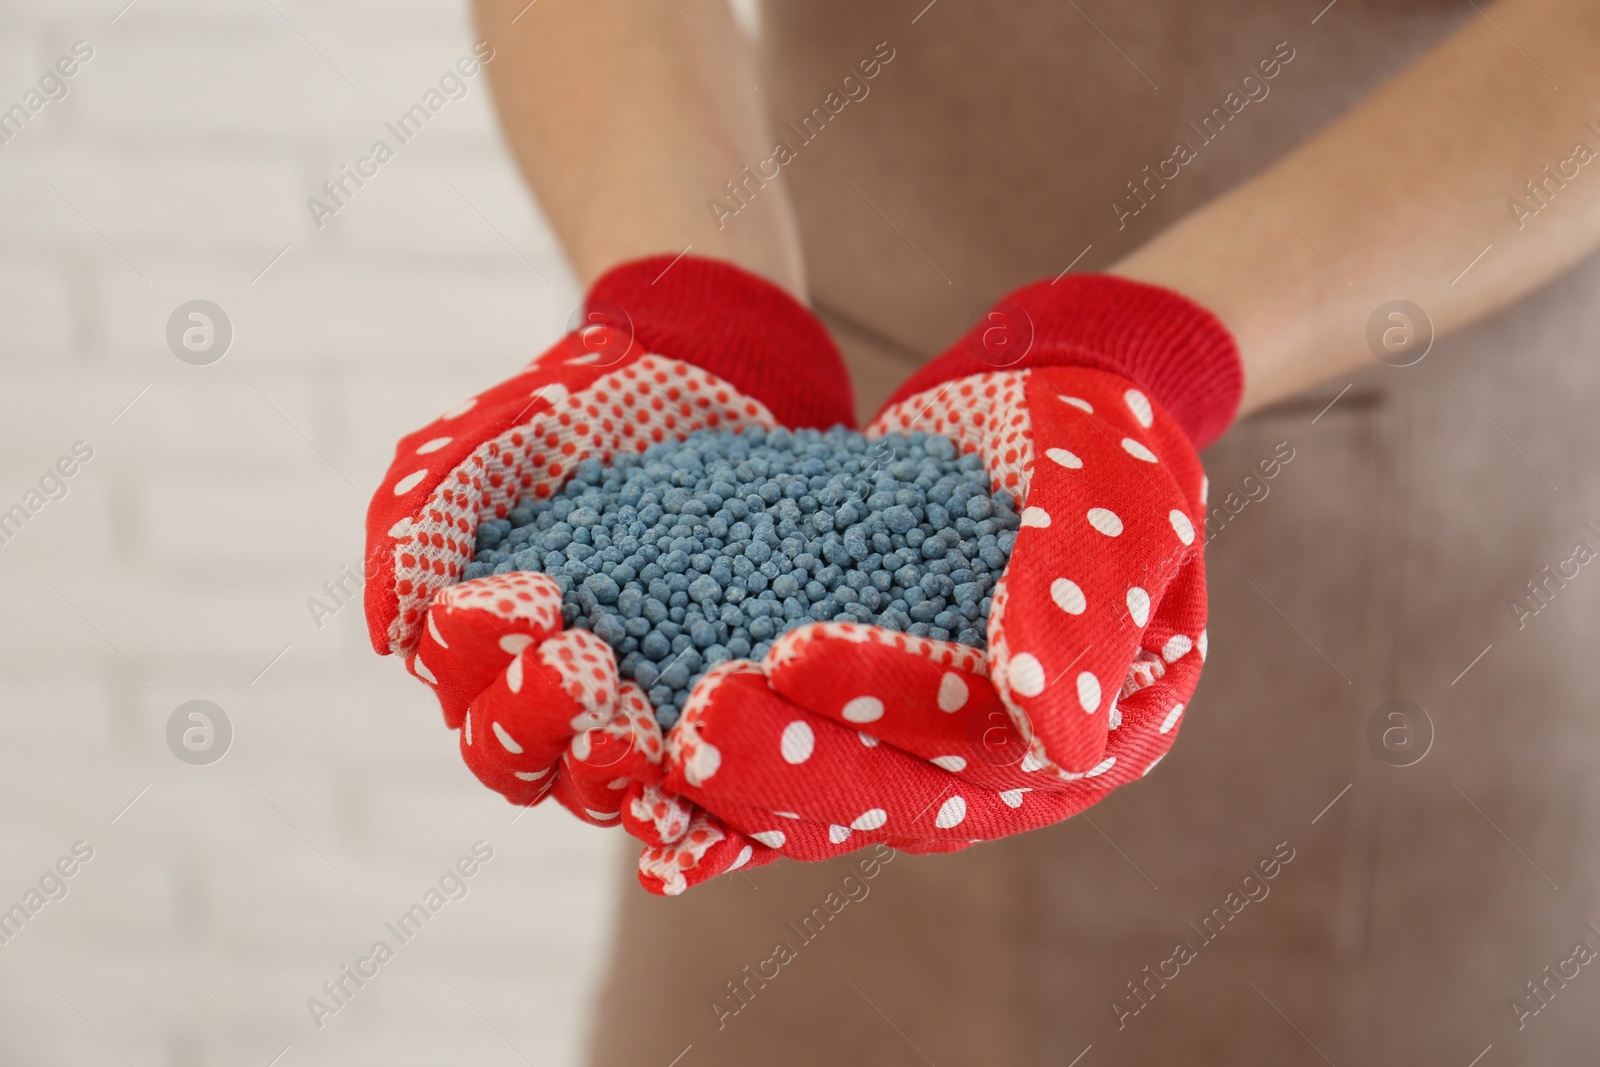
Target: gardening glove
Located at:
point(1087, 400)
point(666, 347)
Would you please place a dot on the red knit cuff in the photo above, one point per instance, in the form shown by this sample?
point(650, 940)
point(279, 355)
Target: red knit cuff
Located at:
point(1173, 349)
point(739, 327)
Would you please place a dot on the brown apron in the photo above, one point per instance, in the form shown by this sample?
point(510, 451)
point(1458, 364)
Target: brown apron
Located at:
point(1414, 913)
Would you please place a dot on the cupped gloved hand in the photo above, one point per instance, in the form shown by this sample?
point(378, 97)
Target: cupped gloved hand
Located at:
point(666, 347)
point(1088, 398)
point(1087, 401)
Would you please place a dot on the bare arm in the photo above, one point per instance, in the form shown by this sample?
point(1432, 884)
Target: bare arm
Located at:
point(625, 119)
point(1398, 196)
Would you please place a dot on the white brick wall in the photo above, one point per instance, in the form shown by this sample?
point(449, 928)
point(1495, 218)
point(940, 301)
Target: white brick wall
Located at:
point(187, 147)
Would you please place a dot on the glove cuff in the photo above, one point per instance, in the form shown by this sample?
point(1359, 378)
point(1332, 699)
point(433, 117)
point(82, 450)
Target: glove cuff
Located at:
point(738, 326)
point(1173, 349)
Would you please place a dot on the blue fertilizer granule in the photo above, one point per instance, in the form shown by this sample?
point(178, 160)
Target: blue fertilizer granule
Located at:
point(707, 549)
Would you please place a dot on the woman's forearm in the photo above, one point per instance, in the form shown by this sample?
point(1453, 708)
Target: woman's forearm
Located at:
point(626, 119)
point(1396, 198)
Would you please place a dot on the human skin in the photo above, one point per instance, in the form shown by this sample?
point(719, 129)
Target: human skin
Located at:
point(621, 125)
point(622, 116)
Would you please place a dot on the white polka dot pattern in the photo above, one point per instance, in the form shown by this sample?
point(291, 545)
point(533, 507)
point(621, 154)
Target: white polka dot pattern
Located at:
point(1068, 596)
point(951, 813)
point(1138, 451)
point(1139, 404)
point(1105, 521)
point(863, 710)
point(1026, 675)
point(1138, 606)
point(1181, 526)
point(798, 742)
point(953, 692)
point(870, 820)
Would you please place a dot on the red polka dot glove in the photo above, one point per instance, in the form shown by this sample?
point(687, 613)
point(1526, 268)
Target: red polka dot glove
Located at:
point(1087, 401)
point(667, 346)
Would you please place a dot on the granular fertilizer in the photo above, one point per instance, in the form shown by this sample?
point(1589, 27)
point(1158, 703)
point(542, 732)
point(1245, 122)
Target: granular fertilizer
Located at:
point(703, 550)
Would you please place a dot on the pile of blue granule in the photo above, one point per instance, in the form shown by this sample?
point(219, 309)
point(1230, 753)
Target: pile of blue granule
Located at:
point(707, 549)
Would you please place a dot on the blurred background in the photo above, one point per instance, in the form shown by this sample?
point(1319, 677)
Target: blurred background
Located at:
point(184, 559)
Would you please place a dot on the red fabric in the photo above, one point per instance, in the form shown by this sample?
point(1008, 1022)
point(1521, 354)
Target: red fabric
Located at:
point(739, 327)
point(1173, 349)
point(740, 349)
